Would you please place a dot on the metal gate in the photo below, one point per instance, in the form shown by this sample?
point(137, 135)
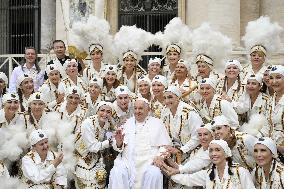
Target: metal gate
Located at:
point(150, 15)
point(20, 25)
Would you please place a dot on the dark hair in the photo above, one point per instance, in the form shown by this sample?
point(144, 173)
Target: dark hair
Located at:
point(36, 62)
point(31, 118)
point(212, 173)
point(239, 83)
point(20, 93)
point(58, 41)
point(263, 88)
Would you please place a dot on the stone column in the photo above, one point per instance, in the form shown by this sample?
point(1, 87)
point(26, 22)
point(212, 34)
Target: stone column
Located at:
point(48, 27)
point(221, 14)
point(275, 10)
point(250, 10)
point(112, 15)
point(62, 19)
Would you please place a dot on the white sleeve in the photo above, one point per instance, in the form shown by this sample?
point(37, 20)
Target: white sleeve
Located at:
point(33, 173)
point(13, 80)
point(61, 175)
point(194, 122)
point(195, 179)
point(228, 111)
point(196, 164)
point(246, 178)
point(242, 105)
point(89, 137)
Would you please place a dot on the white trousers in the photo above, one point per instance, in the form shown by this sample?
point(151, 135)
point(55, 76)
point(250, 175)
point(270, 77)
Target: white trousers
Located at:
point(119, 178)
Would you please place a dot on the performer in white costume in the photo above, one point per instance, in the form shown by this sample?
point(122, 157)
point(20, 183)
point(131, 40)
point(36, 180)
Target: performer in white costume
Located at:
point(159, 84)
point(133, 167)
point(94, 139)
point(181, 121)
point(212, 104)
point(25, 87)
point(96, 67)
point(222, 175)
point(53, 88)
point(197, 160)
point(269, 172)
point(260, 43)
point(73, 78)
point(42, 168)
point(3, 86)
point(123, 105)
point(93, 96)
point(241, 144)
point(154, 68)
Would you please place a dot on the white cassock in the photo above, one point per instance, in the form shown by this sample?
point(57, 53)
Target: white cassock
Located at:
point(133, 166)
point(241, 179)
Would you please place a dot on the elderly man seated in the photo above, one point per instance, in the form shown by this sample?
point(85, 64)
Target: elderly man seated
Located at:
point(140, 142)
point(41, 167)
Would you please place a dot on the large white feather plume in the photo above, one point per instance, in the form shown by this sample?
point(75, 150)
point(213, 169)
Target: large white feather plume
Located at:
point(15, 143)
point(263, 32)
point(12, 183)
point(206, 40)
point(131, 38)
point(92, 31)
point(176, 32)
point(256, 122)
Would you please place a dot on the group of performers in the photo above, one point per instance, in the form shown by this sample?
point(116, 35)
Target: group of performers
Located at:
point(98, 124)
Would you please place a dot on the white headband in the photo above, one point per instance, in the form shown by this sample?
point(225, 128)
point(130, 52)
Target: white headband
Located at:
point(95, 46)
point(173, 48)
point(145, 79)
point(73, 90)
point(185, 63)
point(224, 145)
point(256, 77)
point(110, 68)
point(21, 78)
point(36, 136)
point(160, 79)
point(258, 48)
point(68, 61)
point(209, 81)
point(204, 58)
point(104, 103)
point(234, 62)
point(220, 120)
point(207, 126)
point(155, 60)
point(130, 53)
point(122, 90)
point(4, 77)
point(51, 67)
point(10, 96)
point(279, 69)
point(175, 90)
point(37, 96)
point(269, 143)
point(142, 99)
point(98, 81)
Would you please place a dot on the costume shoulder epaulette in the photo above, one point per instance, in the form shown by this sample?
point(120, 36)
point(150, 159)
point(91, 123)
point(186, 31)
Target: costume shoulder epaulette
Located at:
point(31, 155)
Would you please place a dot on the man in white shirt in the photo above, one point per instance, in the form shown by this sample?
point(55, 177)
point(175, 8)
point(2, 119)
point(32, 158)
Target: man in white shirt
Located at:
point(140, 142)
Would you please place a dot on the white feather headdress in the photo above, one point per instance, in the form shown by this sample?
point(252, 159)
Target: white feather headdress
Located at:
point(176, 32)
point(131, 38)
point(211, 43)
point(93, 31)
point(263, 32)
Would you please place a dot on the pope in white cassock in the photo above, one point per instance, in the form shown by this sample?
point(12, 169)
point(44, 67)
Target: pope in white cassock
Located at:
point(140, 142)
